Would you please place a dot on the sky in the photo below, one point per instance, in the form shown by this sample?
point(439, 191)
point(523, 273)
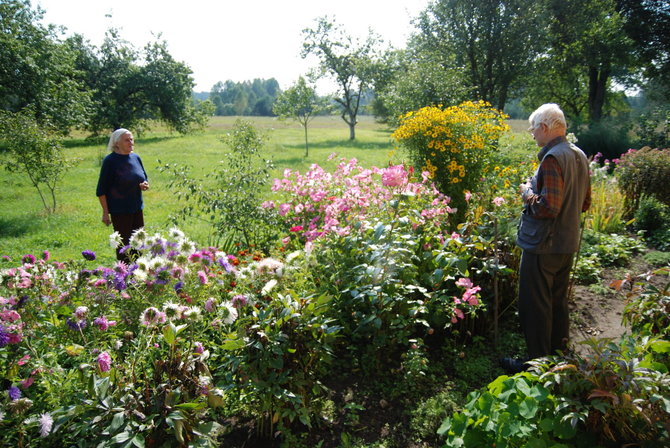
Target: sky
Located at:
point(236, 40)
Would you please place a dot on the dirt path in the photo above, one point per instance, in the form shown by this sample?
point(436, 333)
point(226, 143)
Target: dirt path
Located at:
point(597, 310)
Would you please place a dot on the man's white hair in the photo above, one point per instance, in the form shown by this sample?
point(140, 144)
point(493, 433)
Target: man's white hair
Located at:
point(115, 137)
point(549, 114)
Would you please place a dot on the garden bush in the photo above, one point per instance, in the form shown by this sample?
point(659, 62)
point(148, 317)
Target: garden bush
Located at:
point(453, 144)
point(652, 217)
point(647, 308)
point(644, 172)
point(612, 396)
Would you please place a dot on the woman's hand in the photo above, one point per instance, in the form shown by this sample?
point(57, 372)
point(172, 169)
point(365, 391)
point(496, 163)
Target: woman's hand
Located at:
point(105, 219)
point(144, 186)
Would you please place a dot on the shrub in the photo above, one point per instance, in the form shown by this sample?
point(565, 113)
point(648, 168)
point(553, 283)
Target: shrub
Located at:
point(654, 128)
point(644, 173)
point(608, 398)
point(647, 308)
point(231, 205)
point(609, 137)
point(609, 250)
point(453, 144)
point(652, 217)
point(606, 212)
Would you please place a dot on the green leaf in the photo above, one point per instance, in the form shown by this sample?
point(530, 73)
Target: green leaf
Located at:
point(121, 437)
point(101, 386)
point(528, 408)
point(232, 344)
point(138, 441)
point(117, 421)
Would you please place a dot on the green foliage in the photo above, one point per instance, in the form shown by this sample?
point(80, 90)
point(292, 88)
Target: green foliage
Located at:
point(647, 309)
point(608, 137)
point(612, 396)
point(654, 128)
point(644, 173)
point(249, 98)
point(501, 37)
point(652, 217)
point(301, 103)
point(410, 79)
point(429, 415)
point(35, 152)
point(132, 87)
point(657, 258)
point(38, 71)
point(232, 205)
point(610, 250)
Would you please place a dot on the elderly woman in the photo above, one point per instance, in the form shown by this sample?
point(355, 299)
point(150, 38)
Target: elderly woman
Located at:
point(122, 180)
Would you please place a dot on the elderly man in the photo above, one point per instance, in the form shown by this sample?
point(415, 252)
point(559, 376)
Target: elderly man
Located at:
point(554, 199)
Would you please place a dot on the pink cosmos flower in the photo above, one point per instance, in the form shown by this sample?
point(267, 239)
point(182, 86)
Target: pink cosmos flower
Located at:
point(104, 362)
point(464, 282)
point(23, 360)
point(284, 209)
point(25, 384)
point(394, 176)
point(468, 195)
point(295, 229)
point(499, 201)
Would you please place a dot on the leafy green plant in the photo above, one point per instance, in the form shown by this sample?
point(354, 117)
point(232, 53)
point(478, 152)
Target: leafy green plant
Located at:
point(641, 173)
point(36, 152)
point(611, 397)
point(610, 249)
point(652, 217)
point(231, 205)
point(647, 308)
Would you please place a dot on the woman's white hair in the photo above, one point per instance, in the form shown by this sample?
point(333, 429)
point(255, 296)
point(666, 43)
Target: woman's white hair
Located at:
point(549, 114)
point(115, 137)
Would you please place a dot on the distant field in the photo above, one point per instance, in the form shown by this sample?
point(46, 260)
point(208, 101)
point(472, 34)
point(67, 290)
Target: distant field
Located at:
point(76, 226)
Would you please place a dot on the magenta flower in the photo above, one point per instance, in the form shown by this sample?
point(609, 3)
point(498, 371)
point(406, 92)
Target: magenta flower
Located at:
point(104, 362)
point(239, 301)
point(152, 317)
point(46, 255)
point(103, 324)
point(28, 259)
point(202, 276)
point(199, 348)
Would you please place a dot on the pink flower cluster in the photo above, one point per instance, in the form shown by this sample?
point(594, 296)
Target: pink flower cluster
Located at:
point(469, 297)
point(320, 202)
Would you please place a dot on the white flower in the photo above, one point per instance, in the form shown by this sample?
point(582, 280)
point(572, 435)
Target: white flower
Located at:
point(115, 240)
point(175, 234)
point(229, 312)
point(193, 313)
point(270, 266)
point(138, 238)
point(46, 423)
point(186, 247)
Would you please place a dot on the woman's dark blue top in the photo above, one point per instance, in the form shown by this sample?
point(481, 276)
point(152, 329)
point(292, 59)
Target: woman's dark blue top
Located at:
point(120, 179)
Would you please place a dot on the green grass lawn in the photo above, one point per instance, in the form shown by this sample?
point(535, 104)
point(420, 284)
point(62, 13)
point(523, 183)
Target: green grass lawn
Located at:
point(76, 226)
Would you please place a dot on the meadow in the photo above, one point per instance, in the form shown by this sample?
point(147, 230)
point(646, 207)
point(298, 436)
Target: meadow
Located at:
point(76, 226)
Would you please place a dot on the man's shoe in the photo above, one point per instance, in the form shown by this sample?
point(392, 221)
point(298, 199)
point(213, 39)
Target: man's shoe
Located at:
point(513, 366)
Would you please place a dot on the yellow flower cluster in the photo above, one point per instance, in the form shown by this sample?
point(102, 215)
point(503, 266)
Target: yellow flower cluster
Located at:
point(453, 144)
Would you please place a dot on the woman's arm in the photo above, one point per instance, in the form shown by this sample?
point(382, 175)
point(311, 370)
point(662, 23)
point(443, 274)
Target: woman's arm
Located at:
point(105, 211)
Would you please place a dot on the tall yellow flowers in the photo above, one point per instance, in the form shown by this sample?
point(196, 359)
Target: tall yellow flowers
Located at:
point(453, 144)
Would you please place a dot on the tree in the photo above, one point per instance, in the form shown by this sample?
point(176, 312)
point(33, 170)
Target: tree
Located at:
point(132, 87)
point(36, 151)
point(37, 71)
point(414, 78)
point(349, 62)
point(301, 103)
point(495, 41)
point(593, 41)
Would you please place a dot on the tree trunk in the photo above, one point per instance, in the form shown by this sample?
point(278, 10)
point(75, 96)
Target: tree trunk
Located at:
point(597, 90)
point(306, 144)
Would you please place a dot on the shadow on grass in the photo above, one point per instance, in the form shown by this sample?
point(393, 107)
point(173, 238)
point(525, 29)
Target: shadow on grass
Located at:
point(339, 144)
point(17, 226)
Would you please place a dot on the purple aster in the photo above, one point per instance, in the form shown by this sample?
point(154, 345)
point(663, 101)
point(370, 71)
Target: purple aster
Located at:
point(239, 300)
point(76, 325)
point(179, 286)
point(89, 255)
point(46, 255)
point(28, 259)
point(14, 393)
point(4, 337)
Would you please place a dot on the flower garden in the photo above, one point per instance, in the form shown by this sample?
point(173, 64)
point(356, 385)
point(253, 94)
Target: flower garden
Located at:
point(387, 274)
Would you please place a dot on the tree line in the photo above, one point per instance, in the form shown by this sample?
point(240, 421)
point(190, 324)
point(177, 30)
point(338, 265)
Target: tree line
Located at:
point(581, 54)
